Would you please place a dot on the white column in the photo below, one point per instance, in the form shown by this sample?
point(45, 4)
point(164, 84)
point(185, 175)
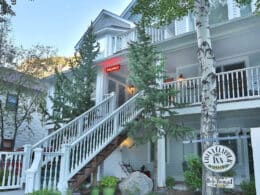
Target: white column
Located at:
point(101, 85)
point(233, 9)
point(161, 171)
point(253, 6)
point(64, 169)
point(255, 137)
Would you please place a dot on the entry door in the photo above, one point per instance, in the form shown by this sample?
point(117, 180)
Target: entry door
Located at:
point(231, 84)
point(119, 89)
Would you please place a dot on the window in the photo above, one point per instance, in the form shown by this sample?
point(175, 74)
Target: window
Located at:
point(11, 102)
point(102, 47)
point(245, 10)
point(231, 84)
point(151, 152)
point(218, 13)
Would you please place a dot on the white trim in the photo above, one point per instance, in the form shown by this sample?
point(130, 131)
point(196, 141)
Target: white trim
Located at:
point(227, 106)
point(110, 29)
point(130, 5)
point(113, 16)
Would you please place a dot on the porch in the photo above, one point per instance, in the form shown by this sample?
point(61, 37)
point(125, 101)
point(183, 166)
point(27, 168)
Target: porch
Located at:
point(232, 87)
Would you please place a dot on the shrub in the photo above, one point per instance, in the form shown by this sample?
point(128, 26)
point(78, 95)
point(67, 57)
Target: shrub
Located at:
point(109, 181)
point(170, 182)
point(248, 187)
point(193, 174)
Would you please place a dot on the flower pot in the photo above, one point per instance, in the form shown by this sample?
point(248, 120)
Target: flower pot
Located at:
point(109, 191)
point(94, 191)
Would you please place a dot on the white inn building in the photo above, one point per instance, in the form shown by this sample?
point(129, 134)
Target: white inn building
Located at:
point(92, 141)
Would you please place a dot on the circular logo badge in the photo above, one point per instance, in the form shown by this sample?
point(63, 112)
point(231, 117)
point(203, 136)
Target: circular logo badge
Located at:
point(218, 158)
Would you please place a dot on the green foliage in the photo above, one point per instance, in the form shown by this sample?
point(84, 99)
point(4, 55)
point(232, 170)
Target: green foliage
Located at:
point(248, 187)
point(163, 12)
point(73, 90)
point(45, 192)
point(109, 181)
point(193, 174)
point(170, 182)
point(146, 71)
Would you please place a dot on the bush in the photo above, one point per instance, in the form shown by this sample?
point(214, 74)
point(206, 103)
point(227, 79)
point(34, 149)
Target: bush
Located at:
point(46, 192)
point(248, 187)
point(109, 181)
point(193, 174)
point(170, 182)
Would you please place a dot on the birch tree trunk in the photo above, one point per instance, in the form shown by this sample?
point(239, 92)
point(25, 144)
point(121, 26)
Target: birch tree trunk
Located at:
point(208, 79)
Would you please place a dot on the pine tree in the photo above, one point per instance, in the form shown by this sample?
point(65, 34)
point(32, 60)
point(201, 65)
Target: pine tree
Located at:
point(146, 70)
point(73, 92)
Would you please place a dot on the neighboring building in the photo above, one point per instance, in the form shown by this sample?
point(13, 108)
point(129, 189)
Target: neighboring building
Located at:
point(236, 44)
point(18, 95)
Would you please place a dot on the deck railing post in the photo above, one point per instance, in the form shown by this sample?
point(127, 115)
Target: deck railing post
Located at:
point(33, 175)
point(26, 160)
point(64, 167)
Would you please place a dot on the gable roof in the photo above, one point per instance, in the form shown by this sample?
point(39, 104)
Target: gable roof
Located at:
point(106, 12)
point(21, 79)
point(128, 9)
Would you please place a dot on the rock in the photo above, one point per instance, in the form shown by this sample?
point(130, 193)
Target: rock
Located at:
point(136, 183)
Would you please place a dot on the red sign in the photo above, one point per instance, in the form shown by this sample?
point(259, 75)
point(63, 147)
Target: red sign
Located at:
point(113, 68)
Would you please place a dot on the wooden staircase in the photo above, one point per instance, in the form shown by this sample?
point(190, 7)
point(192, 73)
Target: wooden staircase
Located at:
point(76, 152)
point(76, 181)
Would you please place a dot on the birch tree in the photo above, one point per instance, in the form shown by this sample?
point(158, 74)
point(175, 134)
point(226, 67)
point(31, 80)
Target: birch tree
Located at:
point(162, 12)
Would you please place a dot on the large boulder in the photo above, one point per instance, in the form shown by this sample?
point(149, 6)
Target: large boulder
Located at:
point(136, 183)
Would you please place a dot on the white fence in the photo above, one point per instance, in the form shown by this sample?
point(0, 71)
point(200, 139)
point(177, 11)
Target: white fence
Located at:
point(11, 170)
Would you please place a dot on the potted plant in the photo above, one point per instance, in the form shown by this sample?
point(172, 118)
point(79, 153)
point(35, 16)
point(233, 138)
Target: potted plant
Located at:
point(94, 190)
point(170, 182)
point(108, 184)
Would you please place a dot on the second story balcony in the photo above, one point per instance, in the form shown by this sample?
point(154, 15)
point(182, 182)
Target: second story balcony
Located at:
point(236, 85)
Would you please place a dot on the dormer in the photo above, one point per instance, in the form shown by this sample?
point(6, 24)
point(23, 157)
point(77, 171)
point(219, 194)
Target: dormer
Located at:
point(107, 26)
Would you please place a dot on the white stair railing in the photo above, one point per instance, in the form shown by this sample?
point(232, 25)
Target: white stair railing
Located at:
point(57, 168)
point(231, 85)
point(89, 145)
point(75, 128)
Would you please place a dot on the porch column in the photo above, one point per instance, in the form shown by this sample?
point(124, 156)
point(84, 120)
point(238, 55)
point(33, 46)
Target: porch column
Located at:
point(101, 85)
point(161, 171)
point(255, 137)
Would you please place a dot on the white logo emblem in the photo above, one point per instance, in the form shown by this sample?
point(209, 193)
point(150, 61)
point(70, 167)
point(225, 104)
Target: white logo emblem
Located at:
point(218, 158)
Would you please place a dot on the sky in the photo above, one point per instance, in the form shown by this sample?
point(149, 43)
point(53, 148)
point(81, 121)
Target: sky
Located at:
point(58, 23)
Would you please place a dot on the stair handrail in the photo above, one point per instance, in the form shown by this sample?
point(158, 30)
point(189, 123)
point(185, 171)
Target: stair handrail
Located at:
point(106, 118)
point(110, 98)
point(118, 126)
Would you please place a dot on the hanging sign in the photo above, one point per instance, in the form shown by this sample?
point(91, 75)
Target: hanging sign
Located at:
point(112, 68)
point(220, 182)
point(218, 158)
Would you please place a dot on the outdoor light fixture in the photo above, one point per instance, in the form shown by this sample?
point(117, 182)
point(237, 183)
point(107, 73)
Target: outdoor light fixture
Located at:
point(130, 89)
point(128, 143)
point(180, 77)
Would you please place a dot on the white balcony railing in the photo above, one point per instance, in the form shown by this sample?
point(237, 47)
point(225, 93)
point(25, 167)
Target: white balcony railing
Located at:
point(156, 34)
point(232, 85)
